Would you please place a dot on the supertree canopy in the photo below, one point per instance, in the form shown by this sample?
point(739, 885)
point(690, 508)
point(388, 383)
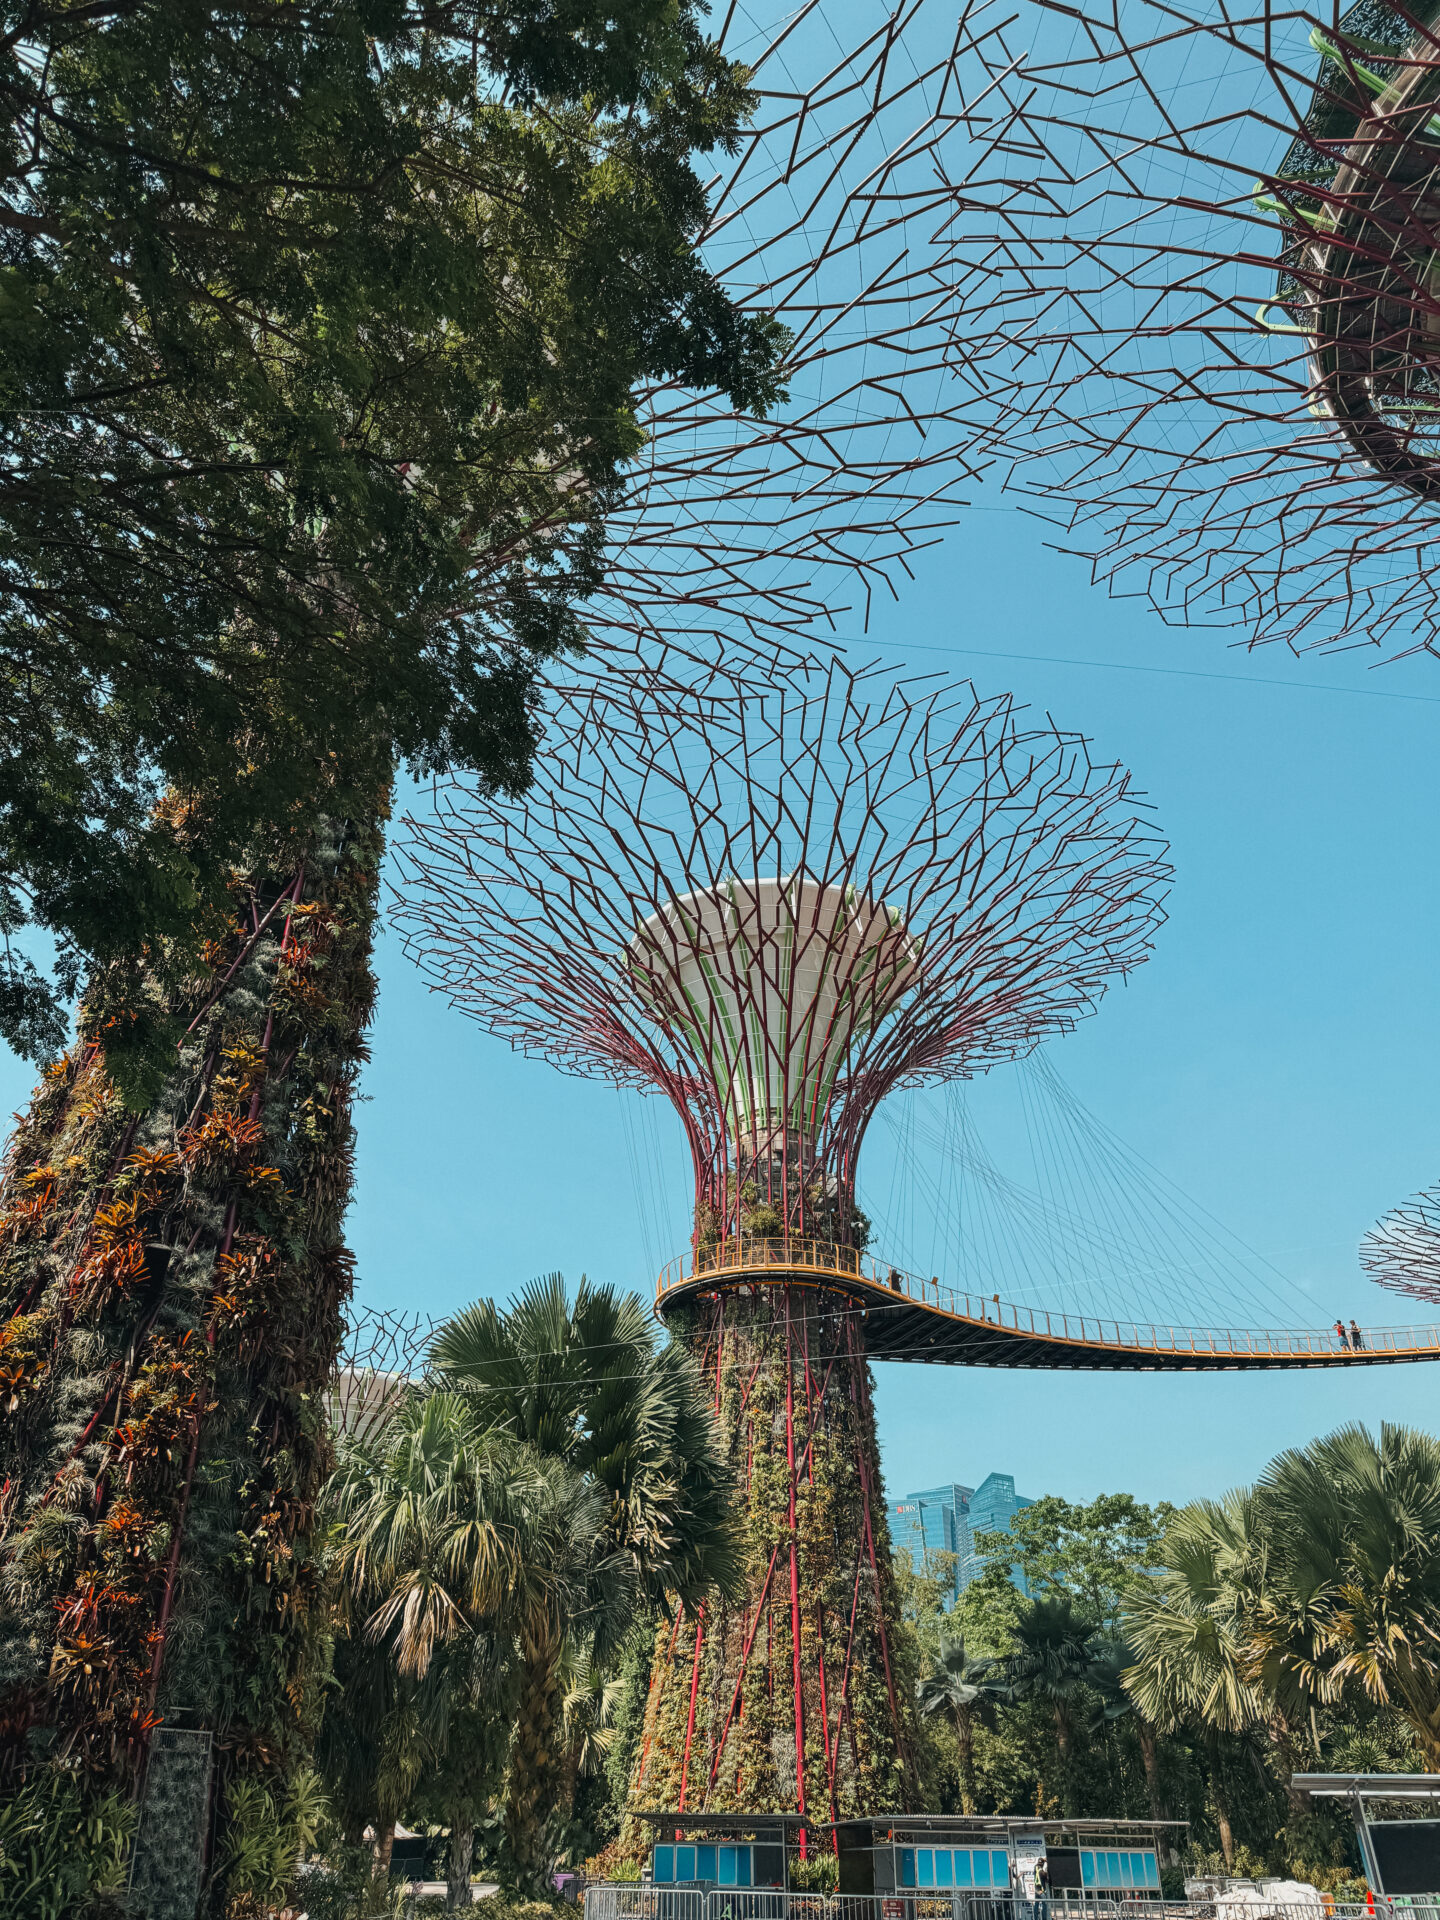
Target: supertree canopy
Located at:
point(1214, 266)
point(1402, 1251)
point(836, 213)
point(779, 911)
point(776, 914)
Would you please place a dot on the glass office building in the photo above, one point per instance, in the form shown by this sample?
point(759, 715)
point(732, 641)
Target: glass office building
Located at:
point(946, 1519)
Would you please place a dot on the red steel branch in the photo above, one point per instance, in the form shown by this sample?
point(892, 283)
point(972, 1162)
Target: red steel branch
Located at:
point(835, 214)
point(1403, 1250)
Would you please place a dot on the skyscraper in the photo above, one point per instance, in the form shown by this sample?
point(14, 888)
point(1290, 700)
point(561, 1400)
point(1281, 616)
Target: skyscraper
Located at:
point(934, 1521)
point(946, 1519)
point(992, 1507)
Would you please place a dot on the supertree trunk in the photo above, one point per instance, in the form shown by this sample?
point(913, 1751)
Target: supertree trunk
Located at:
point(171, 1288)
point(798, 1697)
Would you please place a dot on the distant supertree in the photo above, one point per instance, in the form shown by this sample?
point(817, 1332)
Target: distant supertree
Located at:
point(1213, 262)
point(383, 1355)
point(1402, 1250)
point(775, 918)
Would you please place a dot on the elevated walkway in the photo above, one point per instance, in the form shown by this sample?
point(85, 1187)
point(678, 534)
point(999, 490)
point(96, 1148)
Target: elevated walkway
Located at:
point(914, 1319)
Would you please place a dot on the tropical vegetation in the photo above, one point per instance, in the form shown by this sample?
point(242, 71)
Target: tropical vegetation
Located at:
point(513, 1529)
point(1184, 1664)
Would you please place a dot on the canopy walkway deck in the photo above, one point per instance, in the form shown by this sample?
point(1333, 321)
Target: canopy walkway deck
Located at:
point(914, 1319)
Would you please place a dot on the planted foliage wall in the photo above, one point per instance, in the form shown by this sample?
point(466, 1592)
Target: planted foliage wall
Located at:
point(171, 1285)
point(793, 1698)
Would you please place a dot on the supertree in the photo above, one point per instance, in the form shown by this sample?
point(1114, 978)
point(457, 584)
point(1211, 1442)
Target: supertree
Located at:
point(775, 919)
point(1213, 263)
point(173, 1272)
point(382, 1356)
point(1402, 1250)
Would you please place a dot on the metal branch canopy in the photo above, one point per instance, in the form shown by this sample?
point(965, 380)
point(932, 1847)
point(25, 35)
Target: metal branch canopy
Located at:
point(834, 214)
point(1212, 236)
point(1402, 1251)
point(779, 911)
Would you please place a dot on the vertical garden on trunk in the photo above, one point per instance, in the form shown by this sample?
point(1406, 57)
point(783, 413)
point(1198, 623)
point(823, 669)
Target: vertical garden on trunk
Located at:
point(799, 1697)
point(173, 1283)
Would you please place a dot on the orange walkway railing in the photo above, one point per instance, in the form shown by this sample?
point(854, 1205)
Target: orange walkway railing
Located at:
point(759, 1258)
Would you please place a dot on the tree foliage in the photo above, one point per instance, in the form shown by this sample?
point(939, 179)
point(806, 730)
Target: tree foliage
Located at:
point(503, 1538)
point(319, 325)
point(965, 1688)
point(1318, 1587)
point(1155, 1671)
point(1097, 1553)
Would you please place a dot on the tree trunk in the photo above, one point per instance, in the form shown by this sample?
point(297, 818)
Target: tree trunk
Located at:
point(1150, 1759)
point(791, 1369)
point(1062, 1730)
point(1420, 1703)
point(1285, 1747)
point(965, 1740)
point(1227, 1838)
point(537, 1761)
point(457, 1861)
point(384, 1847)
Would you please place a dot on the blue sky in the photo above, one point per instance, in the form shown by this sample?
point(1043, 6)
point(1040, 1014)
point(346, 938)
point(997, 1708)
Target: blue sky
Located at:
point(1277, 1058)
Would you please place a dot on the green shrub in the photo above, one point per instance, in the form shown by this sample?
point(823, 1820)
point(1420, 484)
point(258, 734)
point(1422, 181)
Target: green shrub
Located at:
point(266, 1835)
point(61, 1850)
point(819, 1874)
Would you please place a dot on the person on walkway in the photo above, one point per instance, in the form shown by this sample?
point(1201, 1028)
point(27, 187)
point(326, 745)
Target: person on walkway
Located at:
point(1342, 1336)
point(1357, 1345)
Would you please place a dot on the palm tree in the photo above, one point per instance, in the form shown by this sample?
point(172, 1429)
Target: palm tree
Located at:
point(583, 1387)
point(1111, 1659)
point(592, 1700)
point(1051, 1660)
point(458, 1540)
point(373, 1745)
point(583, 1382)
point(1188, 1624)
point(1187, 1627)
point(963, 1687)
point(1352, 1589)
point(593, 1694)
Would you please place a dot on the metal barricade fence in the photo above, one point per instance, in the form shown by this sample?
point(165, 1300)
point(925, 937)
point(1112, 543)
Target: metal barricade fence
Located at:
point(630, 1900)
point(634, 1900)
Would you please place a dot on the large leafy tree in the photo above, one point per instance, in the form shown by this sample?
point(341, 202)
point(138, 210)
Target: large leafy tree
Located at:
point(1308, 1602)
point(1188, 1625)
point(319, 324)
point(1098, 1551)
